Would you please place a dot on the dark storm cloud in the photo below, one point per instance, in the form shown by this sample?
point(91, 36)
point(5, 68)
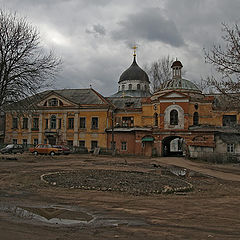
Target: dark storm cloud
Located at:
point(150, 25)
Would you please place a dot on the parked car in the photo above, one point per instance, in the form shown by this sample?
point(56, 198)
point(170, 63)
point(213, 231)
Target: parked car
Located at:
point(45, 149)
point(65, 149)
point(12, 148)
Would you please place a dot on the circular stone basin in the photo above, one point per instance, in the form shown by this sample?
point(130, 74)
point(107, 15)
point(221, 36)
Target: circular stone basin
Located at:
point(123, 181)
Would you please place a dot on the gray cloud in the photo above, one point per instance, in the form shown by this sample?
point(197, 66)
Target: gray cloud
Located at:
point(93, 37)
point(97, 29)
point(149, 25)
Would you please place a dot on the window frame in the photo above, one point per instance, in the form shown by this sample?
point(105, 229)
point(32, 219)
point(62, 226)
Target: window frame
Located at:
point(174, 120)
point(124, 146)
point(70, 123)
point(230, 148)
point(15, 123)
point(94, 125)
point(80, 122)
point(53, 122)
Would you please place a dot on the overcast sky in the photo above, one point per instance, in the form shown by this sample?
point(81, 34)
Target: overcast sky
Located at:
point(94, 37)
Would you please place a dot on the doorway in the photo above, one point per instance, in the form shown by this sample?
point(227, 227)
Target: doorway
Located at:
point(172, 146)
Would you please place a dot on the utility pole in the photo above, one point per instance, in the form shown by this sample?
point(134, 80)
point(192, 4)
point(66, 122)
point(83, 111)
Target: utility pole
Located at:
point(112, 145)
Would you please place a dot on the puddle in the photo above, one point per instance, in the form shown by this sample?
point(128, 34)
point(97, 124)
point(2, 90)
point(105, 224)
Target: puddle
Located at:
point(67, 216)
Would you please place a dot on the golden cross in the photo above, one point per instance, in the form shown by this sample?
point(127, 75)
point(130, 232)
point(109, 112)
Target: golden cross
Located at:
point(134, 50)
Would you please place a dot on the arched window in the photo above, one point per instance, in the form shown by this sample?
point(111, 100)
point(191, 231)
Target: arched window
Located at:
point(130, 86)
point(138, 86)
point(123, 87)
point(195, 118)
point(155, 119)
point(53, 102)
point(53, 122)
point(174, 117)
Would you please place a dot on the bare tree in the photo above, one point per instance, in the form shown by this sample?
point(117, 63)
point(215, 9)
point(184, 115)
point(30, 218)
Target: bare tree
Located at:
point(160, 72)
point(25, 68)
point(226, 61)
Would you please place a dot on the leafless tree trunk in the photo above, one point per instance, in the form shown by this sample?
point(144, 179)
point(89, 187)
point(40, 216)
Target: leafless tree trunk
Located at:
point(25, 68)
point(226, 61)
point(160, 72)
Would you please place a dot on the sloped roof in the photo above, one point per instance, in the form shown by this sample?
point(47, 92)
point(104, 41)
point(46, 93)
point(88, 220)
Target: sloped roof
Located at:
point(125, 102)
point(132, 93)
point(77, 96)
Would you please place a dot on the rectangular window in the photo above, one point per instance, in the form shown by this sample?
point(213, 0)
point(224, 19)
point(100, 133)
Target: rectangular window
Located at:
point(82, 143)
point(14, 141)
point(59, 123)
point(82, 122)
point(70, 123)
point(124, 146)
point(95, 123)
point(45, 141)
point(15, 123)
point(230, 148)
point(127, 121)
point(94, 144)
point(70, 143)
point(35, 123)
point(46, 123)
point(24, 141)
point(25, 123)
point(229, 120)
point(35, 141)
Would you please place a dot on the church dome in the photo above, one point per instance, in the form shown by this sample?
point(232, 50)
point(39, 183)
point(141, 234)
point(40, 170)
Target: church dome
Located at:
point(134, 72)
point(176, 64)
point(181, 84)
point(177, 82)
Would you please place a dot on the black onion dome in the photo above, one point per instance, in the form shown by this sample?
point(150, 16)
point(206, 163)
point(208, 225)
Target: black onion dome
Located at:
point(177, 64)
point(134, 72)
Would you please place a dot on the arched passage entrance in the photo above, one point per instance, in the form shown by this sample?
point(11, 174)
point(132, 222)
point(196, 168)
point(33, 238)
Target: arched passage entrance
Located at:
point(172, 146)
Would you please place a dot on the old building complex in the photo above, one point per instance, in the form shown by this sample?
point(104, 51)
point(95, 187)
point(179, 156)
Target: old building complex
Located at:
point(177, 119)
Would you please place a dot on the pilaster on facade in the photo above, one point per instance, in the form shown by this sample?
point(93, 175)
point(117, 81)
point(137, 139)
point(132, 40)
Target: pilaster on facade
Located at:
point(76, 124)
point(30, 130)
point(40, 133)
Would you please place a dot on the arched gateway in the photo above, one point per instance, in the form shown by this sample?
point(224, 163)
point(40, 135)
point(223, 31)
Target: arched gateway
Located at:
point(173, 146)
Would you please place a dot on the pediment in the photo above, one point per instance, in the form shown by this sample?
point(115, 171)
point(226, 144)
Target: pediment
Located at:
point(55, 100)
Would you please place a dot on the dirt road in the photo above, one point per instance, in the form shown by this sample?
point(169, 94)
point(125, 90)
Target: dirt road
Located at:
point(211, 211)
point(225, 172)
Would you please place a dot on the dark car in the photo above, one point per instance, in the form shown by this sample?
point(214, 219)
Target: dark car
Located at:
point(65, 149)
point(12, 148)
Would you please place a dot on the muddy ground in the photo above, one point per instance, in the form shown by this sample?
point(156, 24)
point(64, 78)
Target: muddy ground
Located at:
point(210, 211)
